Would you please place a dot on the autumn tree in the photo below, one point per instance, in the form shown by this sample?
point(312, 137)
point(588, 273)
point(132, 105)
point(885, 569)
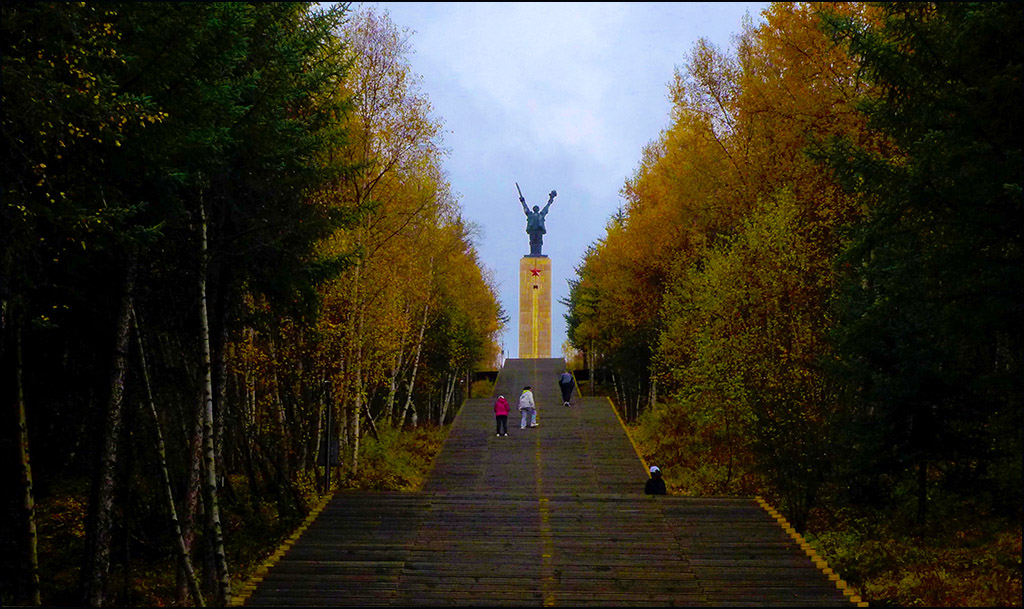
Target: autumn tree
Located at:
point(375, 352)
point(725, 249)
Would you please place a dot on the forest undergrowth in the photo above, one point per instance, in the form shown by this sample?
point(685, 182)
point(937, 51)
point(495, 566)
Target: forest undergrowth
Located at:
point(963, 556)
point(399, 461)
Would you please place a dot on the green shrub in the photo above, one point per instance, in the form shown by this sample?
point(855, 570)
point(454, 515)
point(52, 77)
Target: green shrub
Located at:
point(481, 389)
point(400, 461)
point(695, 459)
point(976, 563)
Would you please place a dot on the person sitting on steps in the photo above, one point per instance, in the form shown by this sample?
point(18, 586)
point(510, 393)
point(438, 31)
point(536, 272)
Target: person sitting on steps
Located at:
point(655, 485)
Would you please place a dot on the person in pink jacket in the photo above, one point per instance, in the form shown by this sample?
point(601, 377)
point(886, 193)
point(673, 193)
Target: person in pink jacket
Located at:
point(501, 415)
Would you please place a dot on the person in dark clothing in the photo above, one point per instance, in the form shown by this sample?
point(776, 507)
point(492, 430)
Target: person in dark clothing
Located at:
point(655, 485)
point(566, 383)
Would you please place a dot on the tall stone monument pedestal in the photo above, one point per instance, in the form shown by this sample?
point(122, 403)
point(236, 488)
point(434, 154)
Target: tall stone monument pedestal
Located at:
point(534, 307)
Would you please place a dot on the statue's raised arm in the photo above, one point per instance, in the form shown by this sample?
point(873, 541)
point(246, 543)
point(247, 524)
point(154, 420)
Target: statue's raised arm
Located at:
point(526, 210)
point(551, 199)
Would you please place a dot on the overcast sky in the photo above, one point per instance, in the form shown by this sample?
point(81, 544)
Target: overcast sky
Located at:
point(551, 95)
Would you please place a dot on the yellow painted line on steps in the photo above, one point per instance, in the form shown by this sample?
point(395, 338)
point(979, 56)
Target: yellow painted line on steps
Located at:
point(628, 435)
point(547, 554)
point(621, 422)
point(818, 561)
point(249, 587)
point(547, 545)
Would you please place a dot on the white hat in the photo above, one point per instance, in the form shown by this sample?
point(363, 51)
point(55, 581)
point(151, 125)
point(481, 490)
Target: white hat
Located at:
point(654, 468)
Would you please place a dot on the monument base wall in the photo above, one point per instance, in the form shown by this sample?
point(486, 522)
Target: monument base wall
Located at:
point(534, 307)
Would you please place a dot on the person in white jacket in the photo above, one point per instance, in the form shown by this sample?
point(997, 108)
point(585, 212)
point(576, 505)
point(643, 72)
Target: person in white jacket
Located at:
point(528, 407)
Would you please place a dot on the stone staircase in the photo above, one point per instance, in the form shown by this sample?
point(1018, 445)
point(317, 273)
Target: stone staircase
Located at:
point(553, 515)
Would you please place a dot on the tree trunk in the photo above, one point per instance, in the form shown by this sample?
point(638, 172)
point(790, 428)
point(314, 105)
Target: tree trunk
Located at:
point(245, 448)
point(592, 368)
point(183, 556)
point(300, 429)
point(29, 502)
point(618, 395)
point(100, 553)
point(442, 399)
point(635, 402)
point(284, 461)
point(396, 372)
point(221, 384)
point(323, 428)
point(271, 479)
point(319, 430)
point(415, 367)
point(191, 500)
point(446, 400)
point(369, 421)
point(209, 458)
point(355, 412)
point(343, 420)
point(244, 440)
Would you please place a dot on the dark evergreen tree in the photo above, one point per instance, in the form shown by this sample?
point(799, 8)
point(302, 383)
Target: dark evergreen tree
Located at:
point(929, 339)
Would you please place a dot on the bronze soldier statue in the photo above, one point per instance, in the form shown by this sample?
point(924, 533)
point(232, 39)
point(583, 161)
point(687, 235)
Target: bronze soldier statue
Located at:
point(535, 222)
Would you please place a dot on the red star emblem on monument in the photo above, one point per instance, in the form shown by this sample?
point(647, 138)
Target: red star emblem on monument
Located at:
point(535, 272)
